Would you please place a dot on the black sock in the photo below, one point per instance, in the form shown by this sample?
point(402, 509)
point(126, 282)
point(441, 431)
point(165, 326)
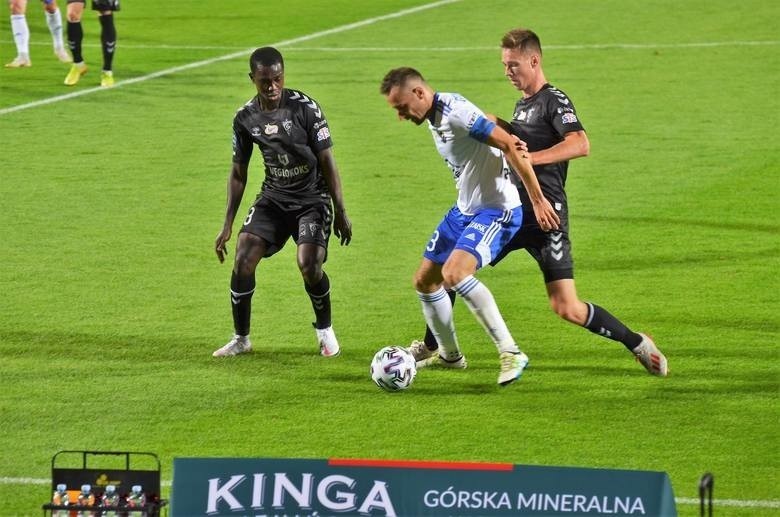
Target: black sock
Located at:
point(319, 294)
point(604, 324)
point(108, 40)
point(75, 35)
point(430, 341)
point(241, 291)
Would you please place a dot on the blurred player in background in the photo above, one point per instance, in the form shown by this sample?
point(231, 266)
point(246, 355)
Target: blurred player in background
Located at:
point(106, 9)
point(486, 214)
point(300, 196)
point(21, 32)
point(546, 122)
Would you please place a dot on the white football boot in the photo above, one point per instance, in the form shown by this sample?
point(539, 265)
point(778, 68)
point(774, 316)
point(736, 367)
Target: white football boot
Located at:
point(439, 362)
point(420, 351)
point(512, 366)
point(237, 345)
point(650, 357)
point(329, 345)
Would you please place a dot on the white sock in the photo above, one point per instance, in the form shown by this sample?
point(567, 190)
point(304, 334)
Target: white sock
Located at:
point(21, 35)
point(480, 301)
point(54, 21)
point(437, 310)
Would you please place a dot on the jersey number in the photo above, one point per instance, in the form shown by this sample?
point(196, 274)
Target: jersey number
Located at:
point(249, 216)
point(432, 243)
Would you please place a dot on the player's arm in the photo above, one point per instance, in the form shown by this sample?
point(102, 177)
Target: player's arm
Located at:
point(342, 227)
point(519, 161)
point(575, 144)
point(235, 191)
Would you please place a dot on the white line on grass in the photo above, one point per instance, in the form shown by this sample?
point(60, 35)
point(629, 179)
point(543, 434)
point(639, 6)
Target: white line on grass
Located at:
point(226, 57)
point(739, 503)
point(585, 46)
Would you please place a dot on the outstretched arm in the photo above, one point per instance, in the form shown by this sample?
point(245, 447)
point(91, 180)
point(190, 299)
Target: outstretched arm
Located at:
point(342, 227)
point(235, 191)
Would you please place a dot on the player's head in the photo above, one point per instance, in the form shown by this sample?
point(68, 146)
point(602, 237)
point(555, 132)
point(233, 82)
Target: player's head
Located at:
point(521, 53)
point(266, 70)
point(408, 94)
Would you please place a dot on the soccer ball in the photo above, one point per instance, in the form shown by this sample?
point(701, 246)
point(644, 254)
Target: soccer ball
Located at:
point(393, 368)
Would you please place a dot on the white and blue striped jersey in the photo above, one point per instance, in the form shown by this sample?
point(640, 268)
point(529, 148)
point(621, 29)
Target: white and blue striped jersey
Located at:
point(481, 174)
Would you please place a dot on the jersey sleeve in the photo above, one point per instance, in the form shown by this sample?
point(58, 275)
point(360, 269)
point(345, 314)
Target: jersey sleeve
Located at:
point(472, 120)
point(316, 123)
point(563, 114)
point(242, 142)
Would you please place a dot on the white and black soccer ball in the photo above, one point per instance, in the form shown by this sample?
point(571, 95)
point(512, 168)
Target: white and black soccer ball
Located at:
point(393, 368)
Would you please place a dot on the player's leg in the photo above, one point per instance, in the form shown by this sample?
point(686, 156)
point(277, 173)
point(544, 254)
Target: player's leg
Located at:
point(106, 9)
point(480, 243)
point(249, 250)
point(565, 302)
point(21, 34)
point(437, 311)
point(74, 12)
point(54, 21)
point(312, 236)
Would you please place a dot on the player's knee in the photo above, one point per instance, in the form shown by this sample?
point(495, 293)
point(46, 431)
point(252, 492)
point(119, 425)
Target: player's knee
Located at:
point(565, 310)
point(454, 275)
point(244, 264)
point(311, 270)
point(422, 283)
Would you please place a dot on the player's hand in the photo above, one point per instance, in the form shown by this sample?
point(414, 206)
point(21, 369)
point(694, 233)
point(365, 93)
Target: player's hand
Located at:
point(546, 216)
point(220, 244)
point(342, 227)
point(520, 145)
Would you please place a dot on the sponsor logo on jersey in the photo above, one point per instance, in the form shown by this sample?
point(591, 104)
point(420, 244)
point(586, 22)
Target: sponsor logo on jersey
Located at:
point(472, 119)
point(255, 131)
point(284, 159)
point(478, 226)
point(323, 134)
point(287, 125)
point(569, 118)
point(271, 129)
point(281, 172)
point(320, 123)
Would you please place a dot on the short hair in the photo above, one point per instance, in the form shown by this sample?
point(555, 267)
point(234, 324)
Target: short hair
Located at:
point(398, 77)
point(524, 40)
point(265, 56)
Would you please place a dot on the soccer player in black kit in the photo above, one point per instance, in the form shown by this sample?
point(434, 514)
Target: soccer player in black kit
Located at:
point(300, 196)
point(546, 122)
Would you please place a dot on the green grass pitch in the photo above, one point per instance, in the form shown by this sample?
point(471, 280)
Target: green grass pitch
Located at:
point(112, 300)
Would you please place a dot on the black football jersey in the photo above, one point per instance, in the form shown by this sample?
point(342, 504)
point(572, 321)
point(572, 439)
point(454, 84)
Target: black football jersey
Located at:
point(541, 121)
point(289, 138)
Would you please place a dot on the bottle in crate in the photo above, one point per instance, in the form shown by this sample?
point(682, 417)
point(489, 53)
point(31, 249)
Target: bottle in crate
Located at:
point(110, 498)
point(136, 498)
point(86, 498)
point(60, 498)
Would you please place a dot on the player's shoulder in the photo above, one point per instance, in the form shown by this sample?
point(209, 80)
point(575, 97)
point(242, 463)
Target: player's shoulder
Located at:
point(553, 94)
point(296, 100)
point(246, 110)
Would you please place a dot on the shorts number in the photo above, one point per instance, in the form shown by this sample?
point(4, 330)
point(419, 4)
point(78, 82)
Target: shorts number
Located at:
point(432, 243)
point(249, 216)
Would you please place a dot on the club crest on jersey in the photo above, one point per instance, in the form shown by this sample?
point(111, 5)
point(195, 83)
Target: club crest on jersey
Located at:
point(284, 159)
point(271, 129)
point(255, 131)
point(287, 125)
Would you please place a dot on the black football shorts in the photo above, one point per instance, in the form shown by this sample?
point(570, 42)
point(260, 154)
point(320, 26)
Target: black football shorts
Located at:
point(275, 223)
point(551, 250)
point(99, 5)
